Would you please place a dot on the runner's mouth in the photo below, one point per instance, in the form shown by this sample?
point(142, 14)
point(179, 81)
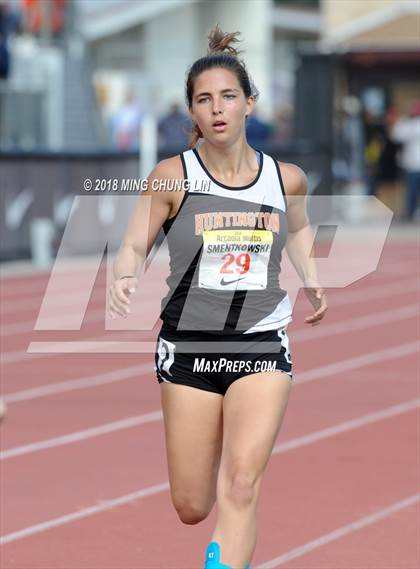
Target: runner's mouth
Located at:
point(219, 126)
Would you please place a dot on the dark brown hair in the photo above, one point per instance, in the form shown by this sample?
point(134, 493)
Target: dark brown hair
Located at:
point(222, 54)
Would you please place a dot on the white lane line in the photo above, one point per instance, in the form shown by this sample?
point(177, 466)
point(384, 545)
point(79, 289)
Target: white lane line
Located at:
point(285, 447)
point(104, 429)
point(25, 272)
point(72, 272)
point(20, 356)
point(358, 323)
point(69, 284)
point(374, 319)
point(401, 267)
point(61, 317)
point(390, 353)
point(298, 336)
point(103, 506)
point(340, 532)
point(30, 280)
point(72, 299)
point(81, 383)
point(409, 285)
point(372, 292)
point(126, 347)
point(346, 426)
point(93, 347)
point(310, 375)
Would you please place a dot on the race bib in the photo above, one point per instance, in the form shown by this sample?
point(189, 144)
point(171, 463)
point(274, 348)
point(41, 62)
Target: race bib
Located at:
point(235, 259)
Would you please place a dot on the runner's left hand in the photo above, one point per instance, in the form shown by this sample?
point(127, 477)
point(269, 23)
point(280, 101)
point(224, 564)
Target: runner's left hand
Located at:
point(316, 296)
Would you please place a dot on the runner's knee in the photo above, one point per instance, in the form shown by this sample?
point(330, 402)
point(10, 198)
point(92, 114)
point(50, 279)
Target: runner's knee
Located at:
point(191, 511)
point(239, 488)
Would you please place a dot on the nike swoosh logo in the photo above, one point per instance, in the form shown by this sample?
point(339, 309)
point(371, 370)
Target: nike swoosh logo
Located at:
point(223, 282)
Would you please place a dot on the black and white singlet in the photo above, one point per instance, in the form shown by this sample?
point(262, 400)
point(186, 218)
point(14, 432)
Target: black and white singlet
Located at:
point(225, 245)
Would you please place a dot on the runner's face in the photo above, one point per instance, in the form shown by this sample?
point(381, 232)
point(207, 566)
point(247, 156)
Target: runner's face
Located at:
point(219, 106)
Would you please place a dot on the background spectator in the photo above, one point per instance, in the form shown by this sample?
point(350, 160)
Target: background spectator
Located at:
point(4, 57)
point(387, 169)
point(374, 135)
point(406, 131)
point(283, 132)
point(175, 127)
point(257, 131)
point(48, 16)
point(125, 124)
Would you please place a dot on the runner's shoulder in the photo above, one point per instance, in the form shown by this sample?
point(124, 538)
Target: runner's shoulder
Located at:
point(170, 169)
point(295, 181)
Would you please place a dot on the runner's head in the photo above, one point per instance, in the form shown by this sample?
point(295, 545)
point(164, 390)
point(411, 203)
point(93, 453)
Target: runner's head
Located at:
point(219, 92)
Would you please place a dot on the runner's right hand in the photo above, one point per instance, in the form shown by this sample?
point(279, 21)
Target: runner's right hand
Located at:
point(119, 296)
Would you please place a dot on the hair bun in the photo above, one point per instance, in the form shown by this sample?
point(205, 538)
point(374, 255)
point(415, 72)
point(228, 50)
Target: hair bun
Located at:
point(220, 42)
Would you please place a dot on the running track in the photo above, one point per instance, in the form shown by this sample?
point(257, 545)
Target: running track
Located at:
point(83, 466)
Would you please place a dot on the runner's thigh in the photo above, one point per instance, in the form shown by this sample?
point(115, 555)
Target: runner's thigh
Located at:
point(193, 433)
point(253, 410)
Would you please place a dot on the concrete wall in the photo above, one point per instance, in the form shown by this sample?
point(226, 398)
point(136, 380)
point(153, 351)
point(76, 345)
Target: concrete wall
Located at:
point(171, 44)
point(404, 31)
point(386, 23)
point(169, 54)
point(338, 12)
point(252, 19)
point(162, 49)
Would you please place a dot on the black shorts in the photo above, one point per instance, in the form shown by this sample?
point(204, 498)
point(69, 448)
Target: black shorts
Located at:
point(181, 357)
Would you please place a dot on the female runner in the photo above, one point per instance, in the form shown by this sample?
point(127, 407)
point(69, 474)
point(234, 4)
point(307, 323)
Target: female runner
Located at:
point(223, 361)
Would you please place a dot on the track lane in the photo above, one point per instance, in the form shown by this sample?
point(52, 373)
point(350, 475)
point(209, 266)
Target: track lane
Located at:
point(389, 533)
point(313, 406)
point(131, 536)
point(351, 475)
point(307, 355)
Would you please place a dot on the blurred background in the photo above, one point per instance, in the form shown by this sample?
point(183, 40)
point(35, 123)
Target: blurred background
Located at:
point(95, 89)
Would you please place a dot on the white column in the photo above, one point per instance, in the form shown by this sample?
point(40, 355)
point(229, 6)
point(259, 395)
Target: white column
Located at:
point(166, 63)
point(252, 19)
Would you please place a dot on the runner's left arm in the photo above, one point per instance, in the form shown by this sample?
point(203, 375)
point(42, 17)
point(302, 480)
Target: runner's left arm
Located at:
point(301, 240)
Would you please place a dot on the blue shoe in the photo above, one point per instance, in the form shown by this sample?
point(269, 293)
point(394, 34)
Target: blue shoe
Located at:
point(213, 557)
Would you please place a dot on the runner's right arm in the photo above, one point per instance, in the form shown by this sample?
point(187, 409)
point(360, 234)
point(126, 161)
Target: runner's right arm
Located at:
point(151, 211)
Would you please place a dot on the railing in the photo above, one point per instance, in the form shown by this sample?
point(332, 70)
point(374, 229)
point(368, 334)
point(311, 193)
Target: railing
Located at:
point(21, 118)
point(37, 185)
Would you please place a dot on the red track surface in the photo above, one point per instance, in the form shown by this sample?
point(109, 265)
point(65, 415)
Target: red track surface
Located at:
point(334, 480)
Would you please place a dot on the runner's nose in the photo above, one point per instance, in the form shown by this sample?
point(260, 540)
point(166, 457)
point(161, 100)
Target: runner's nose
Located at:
point(217, 107)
